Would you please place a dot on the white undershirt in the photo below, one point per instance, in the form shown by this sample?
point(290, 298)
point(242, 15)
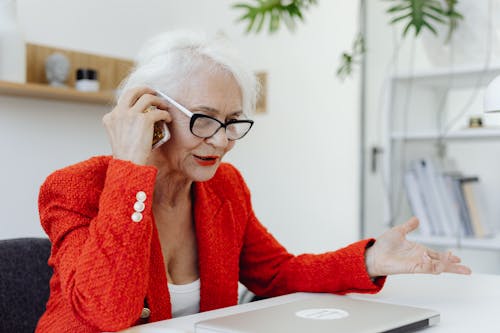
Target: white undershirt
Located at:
point(185, 298)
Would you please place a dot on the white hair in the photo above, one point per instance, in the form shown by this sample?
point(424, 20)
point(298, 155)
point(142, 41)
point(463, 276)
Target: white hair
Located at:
point(168, 59)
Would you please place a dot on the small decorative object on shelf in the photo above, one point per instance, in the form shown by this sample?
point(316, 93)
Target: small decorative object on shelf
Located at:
point(86, 80)
point(12, 46)
point(57, 69)
point(475, 122)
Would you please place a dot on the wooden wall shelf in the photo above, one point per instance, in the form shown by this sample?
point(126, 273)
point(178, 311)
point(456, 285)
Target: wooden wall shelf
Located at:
point(111, 71)
point(43, 91)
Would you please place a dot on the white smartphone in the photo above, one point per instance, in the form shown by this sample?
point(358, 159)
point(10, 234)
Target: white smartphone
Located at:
point(160, 134)
point(160, 131)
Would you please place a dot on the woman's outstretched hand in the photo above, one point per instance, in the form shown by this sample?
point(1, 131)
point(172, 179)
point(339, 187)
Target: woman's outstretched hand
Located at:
point(392, 253)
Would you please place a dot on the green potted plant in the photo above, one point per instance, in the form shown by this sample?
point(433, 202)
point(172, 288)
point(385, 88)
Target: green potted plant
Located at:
point(416, 15)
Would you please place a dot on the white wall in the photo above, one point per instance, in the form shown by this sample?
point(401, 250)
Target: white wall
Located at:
point(300, 160)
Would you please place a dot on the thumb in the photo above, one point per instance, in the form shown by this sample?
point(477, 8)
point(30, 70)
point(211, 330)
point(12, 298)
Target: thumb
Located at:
point(409, 225)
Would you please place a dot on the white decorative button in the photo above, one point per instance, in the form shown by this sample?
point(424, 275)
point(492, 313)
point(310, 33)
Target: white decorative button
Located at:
point(139, 206)
point(137, 217)
point(140, 196)
point(145, 313)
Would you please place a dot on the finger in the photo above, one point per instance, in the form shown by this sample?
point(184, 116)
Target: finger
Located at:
point(409, 225)
point(436, 255)
point(157, 115)
point(437, 266)
point(130, 97)
point(444, 256)
point(452, 258)
point(458, 269)
point(148, 100)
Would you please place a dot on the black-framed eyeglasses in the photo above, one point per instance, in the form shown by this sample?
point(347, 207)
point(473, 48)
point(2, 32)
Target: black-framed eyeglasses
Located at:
point(205, 127)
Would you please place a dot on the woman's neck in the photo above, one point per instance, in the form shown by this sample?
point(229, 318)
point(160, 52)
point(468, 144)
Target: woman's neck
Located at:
point(171, 189)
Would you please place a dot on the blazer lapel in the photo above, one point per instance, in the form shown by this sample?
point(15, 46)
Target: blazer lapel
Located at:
point(218, 255)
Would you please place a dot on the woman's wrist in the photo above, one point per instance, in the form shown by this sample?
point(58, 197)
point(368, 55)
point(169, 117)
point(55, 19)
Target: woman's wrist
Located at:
point(370, 262)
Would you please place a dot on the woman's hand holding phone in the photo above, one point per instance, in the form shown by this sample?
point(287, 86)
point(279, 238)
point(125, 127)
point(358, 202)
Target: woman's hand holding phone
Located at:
point(131, 124)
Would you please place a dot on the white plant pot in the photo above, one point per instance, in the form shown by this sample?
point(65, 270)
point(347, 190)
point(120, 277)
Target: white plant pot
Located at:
point(12, 45)
point(471, 43)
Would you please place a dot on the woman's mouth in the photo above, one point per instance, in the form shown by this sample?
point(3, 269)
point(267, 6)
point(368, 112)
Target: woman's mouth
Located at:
point(207, 160)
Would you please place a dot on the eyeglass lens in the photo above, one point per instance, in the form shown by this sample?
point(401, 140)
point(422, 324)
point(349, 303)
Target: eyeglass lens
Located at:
point(204, 126)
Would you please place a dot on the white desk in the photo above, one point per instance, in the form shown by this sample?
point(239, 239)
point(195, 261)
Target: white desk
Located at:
point(466, 303)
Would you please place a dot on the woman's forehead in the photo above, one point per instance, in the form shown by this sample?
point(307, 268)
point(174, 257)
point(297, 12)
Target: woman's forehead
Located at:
point(211, 90)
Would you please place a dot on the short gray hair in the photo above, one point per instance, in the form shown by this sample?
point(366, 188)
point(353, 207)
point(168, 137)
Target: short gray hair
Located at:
point(169, 58)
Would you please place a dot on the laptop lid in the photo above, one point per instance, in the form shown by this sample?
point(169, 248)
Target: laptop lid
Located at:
point(324, 313)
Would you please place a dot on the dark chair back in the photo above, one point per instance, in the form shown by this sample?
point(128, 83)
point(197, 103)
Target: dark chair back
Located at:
point(24, 282)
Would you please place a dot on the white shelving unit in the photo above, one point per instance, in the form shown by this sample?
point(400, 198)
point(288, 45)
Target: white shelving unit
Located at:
point(466, 134)
point(488, 244)
point(419, 108)
point(442, 77)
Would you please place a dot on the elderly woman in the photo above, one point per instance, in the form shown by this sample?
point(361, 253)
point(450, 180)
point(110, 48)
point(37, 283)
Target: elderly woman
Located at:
point(150, 234)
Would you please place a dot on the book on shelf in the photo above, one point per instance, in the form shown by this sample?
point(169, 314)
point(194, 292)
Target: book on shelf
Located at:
point(454, 183)
point(417, 203)
point(442, 218)
point(477, 213)
point(447, 204)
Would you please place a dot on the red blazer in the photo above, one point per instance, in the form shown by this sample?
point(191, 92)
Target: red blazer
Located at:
point(106, 267)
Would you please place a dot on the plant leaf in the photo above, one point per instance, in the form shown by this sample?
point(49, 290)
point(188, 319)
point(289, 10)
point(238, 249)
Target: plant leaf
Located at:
point(256, 13)
point(274, 21)
point(430, 27)
point(261, 22)
point(397, 19)
point(420, 14)
point(397, 8)
point(436, 18)
point(250, 23)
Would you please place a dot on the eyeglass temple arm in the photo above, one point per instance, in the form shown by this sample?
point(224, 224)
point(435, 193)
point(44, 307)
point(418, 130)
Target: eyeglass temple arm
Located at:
point(174, 103)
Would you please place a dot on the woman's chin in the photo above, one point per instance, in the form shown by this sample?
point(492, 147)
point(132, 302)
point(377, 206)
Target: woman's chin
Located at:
point(202, 174)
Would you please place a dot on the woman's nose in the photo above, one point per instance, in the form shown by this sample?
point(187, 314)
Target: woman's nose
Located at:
point(219, 139)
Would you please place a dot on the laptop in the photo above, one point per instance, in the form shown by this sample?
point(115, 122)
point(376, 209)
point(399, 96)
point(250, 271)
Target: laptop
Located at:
point(324, 313)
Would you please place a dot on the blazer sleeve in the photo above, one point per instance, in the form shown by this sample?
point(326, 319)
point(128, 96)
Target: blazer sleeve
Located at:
point(267, 269)
point(99, 253)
